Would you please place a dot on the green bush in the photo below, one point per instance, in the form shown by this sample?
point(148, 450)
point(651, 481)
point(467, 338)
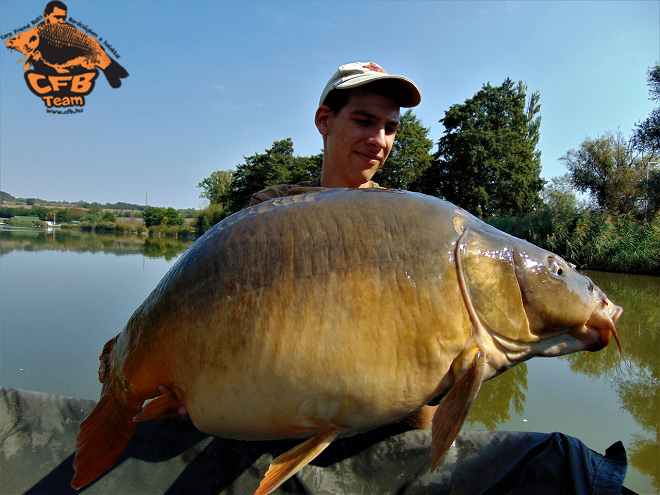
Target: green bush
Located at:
point(208, 217)
point(108, 216)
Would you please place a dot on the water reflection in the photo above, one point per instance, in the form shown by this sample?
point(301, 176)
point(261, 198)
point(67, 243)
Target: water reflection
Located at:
point(73, 240)
point(498, 396)
point(635, 378)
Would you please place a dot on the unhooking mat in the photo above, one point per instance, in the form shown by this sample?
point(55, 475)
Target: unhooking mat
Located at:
point(38, 438)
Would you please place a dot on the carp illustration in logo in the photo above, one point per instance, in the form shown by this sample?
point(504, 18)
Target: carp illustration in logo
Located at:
point(65, 59)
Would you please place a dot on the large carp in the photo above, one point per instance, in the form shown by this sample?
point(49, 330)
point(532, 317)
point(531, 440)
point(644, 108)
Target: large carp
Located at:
point(329, 313)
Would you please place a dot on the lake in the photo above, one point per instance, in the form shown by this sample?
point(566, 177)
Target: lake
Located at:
point(64, 294)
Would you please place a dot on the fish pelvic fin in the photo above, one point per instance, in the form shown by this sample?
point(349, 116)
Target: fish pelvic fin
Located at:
point(162, 407)
point(28, 62)
point(102, 437)
point(289, 463)
point(421, 418)
point(454, 408)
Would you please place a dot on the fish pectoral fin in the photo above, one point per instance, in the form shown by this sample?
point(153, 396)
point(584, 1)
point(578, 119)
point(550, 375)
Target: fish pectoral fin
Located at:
point(162, 407)
point(292, 461)
point(454, 408)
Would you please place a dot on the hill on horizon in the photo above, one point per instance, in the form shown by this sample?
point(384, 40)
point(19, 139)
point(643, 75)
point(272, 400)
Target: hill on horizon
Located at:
point(6, 197)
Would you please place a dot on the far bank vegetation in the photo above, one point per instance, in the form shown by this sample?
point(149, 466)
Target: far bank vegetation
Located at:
point(115, 218)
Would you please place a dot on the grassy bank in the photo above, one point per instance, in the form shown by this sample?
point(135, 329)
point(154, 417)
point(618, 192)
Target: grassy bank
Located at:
point(592, 240)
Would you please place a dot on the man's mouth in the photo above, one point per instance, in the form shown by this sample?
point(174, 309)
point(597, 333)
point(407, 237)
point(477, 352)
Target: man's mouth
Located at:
point(368, 157)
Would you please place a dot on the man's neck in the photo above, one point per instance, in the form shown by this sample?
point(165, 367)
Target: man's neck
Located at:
point(329, 180)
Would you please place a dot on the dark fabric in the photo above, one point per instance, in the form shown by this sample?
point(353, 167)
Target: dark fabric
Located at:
point(38, 436)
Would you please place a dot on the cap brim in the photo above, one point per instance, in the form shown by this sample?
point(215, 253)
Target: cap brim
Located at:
point(410, 95)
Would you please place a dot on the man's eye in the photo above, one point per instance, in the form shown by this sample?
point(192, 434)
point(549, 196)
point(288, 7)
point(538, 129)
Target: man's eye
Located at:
point(390, 130)
point(363, 122)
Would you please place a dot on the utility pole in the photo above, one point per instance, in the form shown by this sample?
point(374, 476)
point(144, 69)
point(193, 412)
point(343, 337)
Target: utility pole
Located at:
point(145, 198)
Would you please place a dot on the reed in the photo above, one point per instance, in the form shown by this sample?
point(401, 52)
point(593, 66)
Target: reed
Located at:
point(112, 227)
point(592, 240)
point(171, 230)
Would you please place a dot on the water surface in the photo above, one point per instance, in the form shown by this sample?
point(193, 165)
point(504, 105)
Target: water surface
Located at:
point(63, 295)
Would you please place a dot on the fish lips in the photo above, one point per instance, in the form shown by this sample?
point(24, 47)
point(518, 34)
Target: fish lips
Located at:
point(600, 327)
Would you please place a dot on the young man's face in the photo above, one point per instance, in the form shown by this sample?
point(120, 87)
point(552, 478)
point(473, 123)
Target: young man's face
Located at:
point(57, 16)
point(358, 139)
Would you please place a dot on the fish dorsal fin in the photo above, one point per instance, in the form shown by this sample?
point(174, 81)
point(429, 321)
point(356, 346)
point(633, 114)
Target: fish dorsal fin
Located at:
point(488, 272)
point(454, 408)
point(292, 461)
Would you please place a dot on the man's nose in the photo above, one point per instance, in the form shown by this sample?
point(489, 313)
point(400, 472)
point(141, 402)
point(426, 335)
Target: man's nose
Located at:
point(378, 138)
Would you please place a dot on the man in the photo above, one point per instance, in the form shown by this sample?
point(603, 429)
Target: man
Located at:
point(358, 117)
point(55, 13)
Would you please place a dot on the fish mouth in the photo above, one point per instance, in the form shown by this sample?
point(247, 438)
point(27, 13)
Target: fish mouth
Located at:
point(600, 326)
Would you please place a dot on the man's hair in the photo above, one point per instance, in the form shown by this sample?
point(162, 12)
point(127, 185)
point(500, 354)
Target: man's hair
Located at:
point(339, 98)
point(50, 6)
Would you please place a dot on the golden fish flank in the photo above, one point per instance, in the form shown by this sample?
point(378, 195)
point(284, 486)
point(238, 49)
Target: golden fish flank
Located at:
point(64, 47)
point(334, 312)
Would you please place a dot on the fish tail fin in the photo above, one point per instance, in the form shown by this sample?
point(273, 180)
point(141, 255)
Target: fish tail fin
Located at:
point(292, 461)
point(114, 72)
point(105, 433)
point(102, 437)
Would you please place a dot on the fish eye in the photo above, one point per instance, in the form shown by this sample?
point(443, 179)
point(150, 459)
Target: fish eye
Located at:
point(556, 267)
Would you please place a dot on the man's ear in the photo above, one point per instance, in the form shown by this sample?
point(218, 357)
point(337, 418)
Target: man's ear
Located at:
point(323, 115)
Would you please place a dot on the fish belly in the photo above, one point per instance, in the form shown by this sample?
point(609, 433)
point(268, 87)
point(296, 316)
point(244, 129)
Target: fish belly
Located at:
point(348, 351)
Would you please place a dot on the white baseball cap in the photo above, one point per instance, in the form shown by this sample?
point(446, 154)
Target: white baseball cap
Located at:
point(359, 73)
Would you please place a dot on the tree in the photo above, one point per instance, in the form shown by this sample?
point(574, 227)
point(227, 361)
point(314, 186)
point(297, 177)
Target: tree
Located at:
point(276, 165)
point(215, 186)
point(153, 215)
point(653, 193)
point(559, 196)
point(108, 216)
point(409, 157)
point(487, 161)
point(605, 167)
point(646, 136)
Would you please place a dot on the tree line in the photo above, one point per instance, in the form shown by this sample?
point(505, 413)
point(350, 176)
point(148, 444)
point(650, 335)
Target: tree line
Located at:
point(486, 162)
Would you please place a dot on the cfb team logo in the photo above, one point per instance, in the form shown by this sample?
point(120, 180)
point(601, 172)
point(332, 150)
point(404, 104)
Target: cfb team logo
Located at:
point(64, 59)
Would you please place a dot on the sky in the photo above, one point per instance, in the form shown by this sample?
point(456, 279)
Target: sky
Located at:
point(211, 82)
